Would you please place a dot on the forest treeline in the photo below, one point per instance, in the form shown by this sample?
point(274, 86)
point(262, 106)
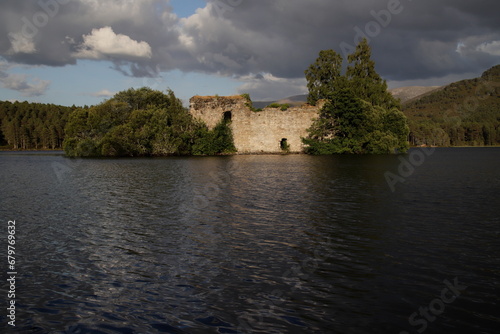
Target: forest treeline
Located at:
point(135, 122)
point(32, 126)
point(145, 122)
point(464, 113)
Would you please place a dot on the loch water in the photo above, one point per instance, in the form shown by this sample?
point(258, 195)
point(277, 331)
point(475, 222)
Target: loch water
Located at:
point(254, 244)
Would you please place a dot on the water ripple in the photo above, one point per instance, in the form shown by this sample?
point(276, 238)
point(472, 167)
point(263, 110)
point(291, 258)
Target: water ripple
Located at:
point(265, 244)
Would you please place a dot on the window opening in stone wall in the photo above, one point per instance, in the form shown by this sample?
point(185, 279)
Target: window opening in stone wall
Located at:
point(284, 145)
point(228, 116)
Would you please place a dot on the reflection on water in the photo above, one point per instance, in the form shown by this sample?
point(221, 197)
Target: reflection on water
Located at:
point(252, 244)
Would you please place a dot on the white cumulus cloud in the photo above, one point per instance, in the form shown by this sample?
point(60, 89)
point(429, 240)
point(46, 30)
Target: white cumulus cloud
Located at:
point(21, 44)
point(492, 48)
point(103, 93)
point(266, 87)
point(23, 84)
point(27, 86)
point(104, 43)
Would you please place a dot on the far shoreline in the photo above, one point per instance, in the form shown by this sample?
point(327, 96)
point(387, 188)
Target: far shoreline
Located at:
point(4, 150)
point(30, 150)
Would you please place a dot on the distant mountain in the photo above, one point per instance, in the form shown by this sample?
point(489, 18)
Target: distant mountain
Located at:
point(291, 100)
point(403, 93)
point(294, 99)
point(407, 93)
point(261, 104)
point(465, 113)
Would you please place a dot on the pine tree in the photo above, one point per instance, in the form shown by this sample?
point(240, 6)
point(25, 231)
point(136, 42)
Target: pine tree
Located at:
point(322, 75)
point(365, 81)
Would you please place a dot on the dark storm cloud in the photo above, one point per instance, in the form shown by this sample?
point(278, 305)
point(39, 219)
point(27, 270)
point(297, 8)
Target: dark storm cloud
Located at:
point(410, 40)
point(34, 32)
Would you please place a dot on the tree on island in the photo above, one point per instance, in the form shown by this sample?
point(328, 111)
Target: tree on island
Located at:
point(322, 76)
point(360, 115)
point(142, 122)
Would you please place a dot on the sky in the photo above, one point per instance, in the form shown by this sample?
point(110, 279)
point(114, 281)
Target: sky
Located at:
point(82, 52)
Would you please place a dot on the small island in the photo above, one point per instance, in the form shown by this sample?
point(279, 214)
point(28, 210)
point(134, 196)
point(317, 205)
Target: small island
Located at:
point(351, 113)
point(345, 113)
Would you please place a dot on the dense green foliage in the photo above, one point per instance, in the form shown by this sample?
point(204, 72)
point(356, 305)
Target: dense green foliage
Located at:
point(32, 126)
point(216, 141)
point(465, 113)
point(360, 115)
point(142, 122)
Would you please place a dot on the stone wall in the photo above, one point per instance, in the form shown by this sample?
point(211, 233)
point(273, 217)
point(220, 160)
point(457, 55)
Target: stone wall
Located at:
point(257, 132)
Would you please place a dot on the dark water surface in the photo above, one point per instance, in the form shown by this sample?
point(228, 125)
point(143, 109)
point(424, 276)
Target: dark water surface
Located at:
point(254, 244)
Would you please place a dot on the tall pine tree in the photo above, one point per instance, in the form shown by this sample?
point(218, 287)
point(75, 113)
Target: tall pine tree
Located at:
point(365, 82)
point(322, 75)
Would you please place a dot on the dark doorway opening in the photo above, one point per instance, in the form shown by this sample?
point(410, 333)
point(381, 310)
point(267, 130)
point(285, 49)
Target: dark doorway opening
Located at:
point(284, 145)
point(228, 116)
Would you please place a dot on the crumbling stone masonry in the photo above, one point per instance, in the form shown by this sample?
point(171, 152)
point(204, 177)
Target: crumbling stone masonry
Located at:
point(268, 131)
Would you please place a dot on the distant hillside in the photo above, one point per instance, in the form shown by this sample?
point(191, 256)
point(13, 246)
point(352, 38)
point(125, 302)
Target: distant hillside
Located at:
point(292, 101)
point(407, 93)
point(466, 113)
point(403, 93)
point(261, 104)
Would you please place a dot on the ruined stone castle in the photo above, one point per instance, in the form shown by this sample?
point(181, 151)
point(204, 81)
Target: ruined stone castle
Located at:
point(271, 130)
